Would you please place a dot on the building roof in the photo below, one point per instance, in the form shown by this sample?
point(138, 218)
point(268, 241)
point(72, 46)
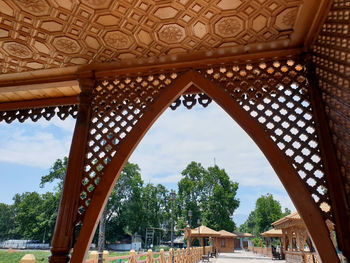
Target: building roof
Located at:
point(289, 220)
point(224, 233)
point(272, 233)
point(204, 232)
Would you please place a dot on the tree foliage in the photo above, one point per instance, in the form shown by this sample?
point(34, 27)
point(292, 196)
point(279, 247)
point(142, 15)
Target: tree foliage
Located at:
point(57, 172)
point(209, 194)
point(132, 206)
point(267, 210)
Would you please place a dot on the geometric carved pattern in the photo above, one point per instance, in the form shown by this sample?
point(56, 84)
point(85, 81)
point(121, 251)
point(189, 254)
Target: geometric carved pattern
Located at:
point(276, 94)
point(35, 114)
point(117, 106)
point(331, 57)
point(55, 34)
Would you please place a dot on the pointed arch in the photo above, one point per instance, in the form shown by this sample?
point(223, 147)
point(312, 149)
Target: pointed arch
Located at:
point(280, 163)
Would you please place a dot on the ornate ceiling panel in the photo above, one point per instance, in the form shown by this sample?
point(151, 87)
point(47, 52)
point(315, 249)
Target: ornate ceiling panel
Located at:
point(42, 34)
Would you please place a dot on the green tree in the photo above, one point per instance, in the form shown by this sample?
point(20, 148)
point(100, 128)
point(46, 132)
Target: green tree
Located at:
point(27, 207)
point(124, 208)
point(57, 172)
point(267, 210)
point(7, 222)
point(209, 194)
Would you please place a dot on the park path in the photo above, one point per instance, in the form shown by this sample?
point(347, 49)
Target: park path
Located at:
point(244, 257)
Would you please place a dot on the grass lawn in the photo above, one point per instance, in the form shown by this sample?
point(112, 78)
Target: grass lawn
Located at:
point(40, 256)
point(15, 257)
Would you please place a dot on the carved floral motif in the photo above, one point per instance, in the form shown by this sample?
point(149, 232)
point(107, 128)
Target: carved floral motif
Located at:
point(289, 17)
point(229, 26)
point(66, 45)
point(38, 7)
point(172, 33)
point(117, 40)
point(17, 50)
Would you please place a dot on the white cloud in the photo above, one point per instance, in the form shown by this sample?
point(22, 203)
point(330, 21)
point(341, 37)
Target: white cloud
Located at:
point(202, 135)
point(35, 144)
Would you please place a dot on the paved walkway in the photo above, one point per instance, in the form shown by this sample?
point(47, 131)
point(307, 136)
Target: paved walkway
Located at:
point(244, 257)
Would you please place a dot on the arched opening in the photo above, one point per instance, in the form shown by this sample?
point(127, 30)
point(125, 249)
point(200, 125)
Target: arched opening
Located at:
point(283, 167)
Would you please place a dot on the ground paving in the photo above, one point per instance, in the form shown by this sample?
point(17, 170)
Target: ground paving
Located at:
point(244, 257)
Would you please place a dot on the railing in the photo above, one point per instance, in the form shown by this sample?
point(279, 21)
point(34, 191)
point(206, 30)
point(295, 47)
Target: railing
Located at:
point(266, 251)
point(188, 255)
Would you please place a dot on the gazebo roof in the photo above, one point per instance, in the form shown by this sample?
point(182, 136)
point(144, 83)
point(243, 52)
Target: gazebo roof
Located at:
point(272, 233)
point(224, 233)
point(204, 232)
point(289, 220)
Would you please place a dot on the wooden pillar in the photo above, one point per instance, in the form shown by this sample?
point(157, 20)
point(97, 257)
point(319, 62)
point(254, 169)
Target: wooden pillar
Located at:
point(62, 241)
point(335, 183)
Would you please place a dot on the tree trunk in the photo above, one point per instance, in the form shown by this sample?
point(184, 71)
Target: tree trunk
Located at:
point(101, 234)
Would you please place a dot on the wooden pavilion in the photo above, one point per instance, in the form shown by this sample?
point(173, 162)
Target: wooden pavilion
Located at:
point(279, 68)
point(296, 244)
point(202, 233)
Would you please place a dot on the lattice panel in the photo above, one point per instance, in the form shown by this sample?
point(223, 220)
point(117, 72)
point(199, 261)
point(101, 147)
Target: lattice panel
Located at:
point(35, 114)
point(276, 95)
point(332, 58)
point(116, 108)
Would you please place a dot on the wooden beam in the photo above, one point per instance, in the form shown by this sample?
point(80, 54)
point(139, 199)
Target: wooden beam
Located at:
point(336, 189)
point(102, 70)
point(64, 228)
point(41, 103)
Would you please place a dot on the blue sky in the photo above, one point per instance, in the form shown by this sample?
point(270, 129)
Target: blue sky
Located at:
point(204, 135)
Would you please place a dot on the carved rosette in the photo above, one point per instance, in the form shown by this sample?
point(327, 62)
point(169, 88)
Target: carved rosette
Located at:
point(117, 39)
point(35, 7)
point(229, 26)
point(66, 45)
point(171, 33)
point(289, 18)
point(17, 50)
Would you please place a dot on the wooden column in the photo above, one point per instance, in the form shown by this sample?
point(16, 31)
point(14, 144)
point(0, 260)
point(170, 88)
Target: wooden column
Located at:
point(64, 229)
point(340, 206)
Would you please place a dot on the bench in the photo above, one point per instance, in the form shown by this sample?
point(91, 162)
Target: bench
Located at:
point(205, 257)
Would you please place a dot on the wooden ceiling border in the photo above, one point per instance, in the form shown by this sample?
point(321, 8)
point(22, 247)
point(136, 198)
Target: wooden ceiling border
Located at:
point(40, 103)
point(110, 70)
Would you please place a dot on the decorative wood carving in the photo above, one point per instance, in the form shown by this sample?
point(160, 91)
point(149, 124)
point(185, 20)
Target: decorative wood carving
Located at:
point(42, 34)
point(35, 114)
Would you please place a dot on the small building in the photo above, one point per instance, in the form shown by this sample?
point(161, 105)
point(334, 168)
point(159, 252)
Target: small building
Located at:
point(225, 243)
point(242, 240)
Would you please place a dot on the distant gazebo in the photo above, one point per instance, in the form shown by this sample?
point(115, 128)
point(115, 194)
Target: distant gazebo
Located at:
point(203, 232)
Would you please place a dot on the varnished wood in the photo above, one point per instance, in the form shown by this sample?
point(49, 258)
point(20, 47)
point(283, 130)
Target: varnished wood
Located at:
point(41, 34)
point(102, 70)
point(65, 224)
point(29, 104)
point(341, 210)
point(284, 169)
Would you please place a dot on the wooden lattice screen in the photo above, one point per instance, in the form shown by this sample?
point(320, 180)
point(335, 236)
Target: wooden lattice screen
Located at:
point(275, 93)
point(331, 54)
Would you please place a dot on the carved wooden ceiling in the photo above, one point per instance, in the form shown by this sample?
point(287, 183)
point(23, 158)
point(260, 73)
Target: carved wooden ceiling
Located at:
point(37, 34)
point(57, 34)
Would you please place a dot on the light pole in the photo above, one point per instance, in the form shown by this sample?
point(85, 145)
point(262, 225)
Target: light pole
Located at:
point(172, 198)
point(190, 216)
point(199, 231)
